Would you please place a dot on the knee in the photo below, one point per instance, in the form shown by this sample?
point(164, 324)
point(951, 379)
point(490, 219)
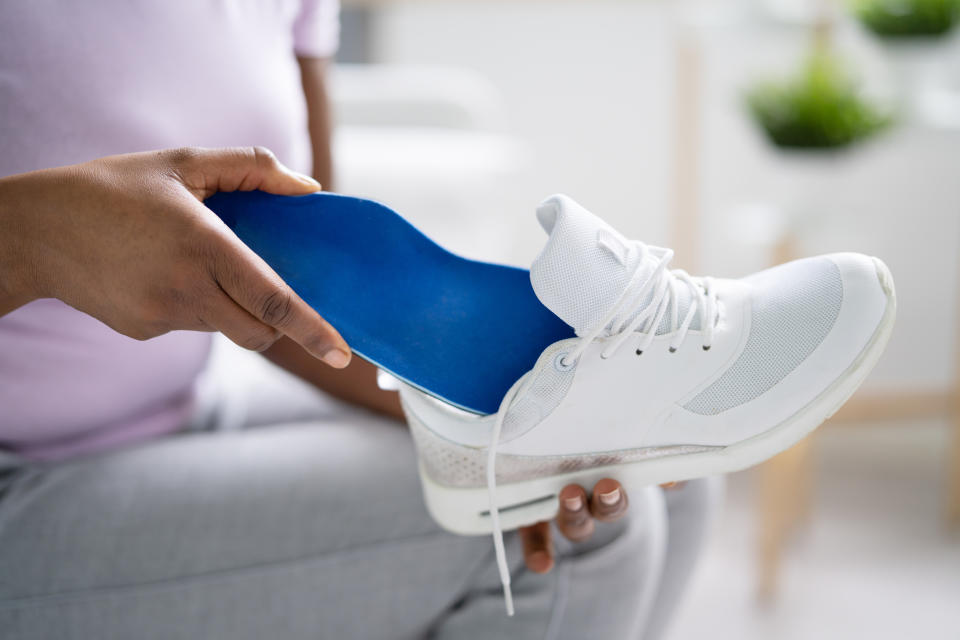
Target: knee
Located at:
point(632, 549)
point(695, 506)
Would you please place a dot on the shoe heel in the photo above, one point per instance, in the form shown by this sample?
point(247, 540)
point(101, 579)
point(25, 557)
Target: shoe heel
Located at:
point(466, 511)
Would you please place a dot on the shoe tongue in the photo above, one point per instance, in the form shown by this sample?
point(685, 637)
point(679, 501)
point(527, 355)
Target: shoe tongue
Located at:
point(585, 267)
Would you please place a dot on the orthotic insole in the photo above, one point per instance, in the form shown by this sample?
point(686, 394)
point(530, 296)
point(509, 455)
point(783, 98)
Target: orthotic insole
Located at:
point(461, 330)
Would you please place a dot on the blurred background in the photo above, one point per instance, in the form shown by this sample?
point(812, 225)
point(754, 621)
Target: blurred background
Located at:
point(741, 133)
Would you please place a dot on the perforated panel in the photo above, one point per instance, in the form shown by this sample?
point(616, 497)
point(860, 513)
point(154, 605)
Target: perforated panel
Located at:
point(794, 308)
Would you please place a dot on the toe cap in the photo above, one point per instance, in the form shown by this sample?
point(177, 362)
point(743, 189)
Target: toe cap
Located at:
point(868, 296)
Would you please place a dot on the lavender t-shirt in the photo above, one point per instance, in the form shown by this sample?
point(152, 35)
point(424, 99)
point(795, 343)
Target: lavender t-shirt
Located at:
point(81, 80)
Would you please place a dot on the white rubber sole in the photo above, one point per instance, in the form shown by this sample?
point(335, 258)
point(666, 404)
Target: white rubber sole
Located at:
point(466, 510)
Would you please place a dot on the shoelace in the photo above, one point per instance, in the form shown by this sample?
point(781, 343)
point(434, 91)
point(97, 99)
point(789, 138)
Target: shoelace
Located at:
point(665, 286)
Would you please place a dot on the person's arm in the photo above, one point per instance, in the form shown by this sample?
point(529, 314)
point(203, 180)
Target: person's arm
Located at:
point(313, 76)
point(357, 384)
point(16, 288)
point(127, 240)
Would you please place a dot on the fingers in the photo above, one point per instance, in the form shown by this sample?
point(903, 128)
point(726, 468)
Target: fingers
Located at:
point(574, 519)
point(609, 501)
point(674, 485)
point(257, 289)
point(537, 547)
point(206, 171)
point(242, 275)
point(577, 512)
point(226, 316)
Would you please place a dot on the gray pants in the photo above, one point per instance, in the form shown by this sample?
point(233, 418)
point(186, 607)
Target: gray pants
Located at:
point(306, 522)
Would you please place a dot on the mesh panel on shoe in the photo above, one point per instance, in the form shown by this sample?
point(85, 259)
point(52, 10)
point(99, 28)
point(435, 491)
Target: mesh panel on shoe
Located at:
point(794, 308)
point(454, 465)
point(574, 276)
point(580, 280)
point(548, 388)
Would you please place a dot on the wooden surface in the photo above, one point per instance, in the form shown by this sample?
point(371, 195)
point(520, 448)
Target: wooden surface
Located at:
point(870, 406)
point(952, 506)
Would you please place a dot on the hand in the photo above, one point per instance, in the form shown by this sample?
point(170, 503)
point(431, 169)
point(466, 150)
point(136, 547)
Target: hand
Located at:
point(128, 240)
point(575, 519)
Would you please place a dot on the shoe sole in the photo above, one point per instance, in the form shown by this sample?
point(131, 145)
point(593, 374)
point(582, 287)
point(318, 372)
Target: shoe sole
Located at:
point(466, 510)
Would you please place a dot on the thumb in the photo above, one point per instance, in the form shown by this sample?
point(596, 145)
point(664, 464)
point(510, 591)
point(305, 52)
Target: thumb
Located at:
point(207, 171)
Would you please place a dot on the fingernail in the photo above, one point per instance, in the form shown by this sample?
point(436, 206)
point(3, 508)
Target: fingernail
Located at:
point(610, 498)
point(336, 358)
point(574, 503)
point(540, 562)
point(308, 180)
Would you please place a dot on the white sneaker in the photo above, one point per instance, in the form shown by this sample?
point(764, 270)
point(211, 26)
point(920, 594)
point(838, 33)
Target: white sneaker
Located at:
point(670, 377)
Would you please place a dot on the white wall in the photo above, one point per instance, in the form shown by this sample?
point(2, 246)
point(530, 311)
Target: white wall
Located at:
point(585, 85)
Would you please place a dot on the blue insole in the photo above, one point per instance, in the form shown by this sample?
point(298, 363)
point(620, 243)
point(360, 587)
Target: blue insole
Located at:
point(461, 330)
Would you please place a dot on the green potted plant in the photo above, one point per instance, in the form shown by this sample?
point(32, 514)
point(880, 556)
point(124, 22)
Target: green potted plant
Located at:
point(813, 119)
point(913, 33)
point(819, 108)
point(908, 18)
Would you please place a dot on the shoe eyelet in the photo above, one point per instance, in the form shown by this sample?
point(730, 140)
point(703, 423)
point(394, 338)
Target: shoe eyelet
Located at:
point(673, 349)
point(706, 347)
point(560, 365)
point(639, 353)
